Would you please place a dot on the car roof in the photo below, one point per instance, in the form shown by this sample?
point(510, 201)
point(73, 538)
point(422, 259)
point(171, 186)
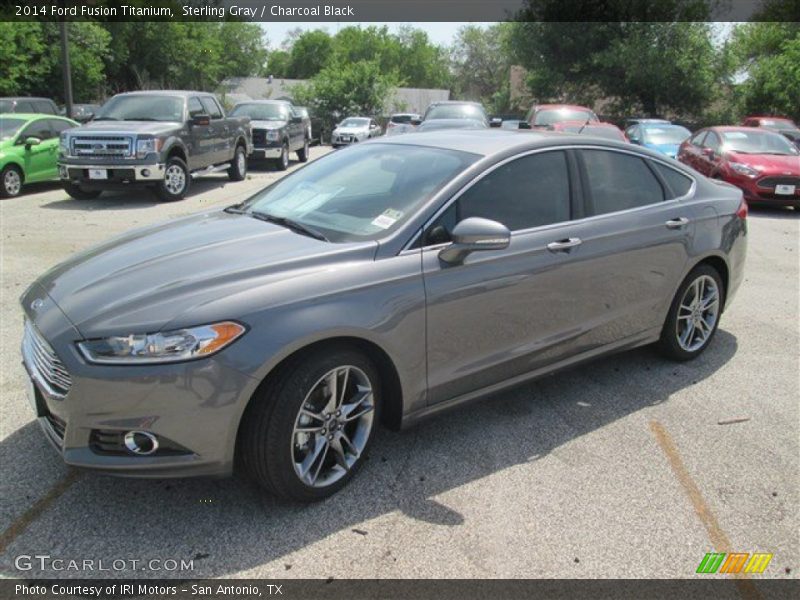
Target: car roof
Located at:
point(32, 116)
point(265, 102)
point(455, 102)
point(487, 142)
point(575, 123)
point(25, 98)
point(556, 106)
point(176, 93)
point(741, 128)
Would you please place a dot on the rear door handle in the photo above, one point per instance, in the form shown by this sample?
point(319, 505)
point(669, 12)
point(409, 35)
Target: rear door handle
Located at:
point(564, 245)
point(676, 223)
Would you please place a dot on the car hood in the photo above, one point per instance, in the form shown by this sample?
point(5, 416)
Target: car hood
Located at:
point(151, 127)
point(176, 273)
point(768, 163)
point(670, 150)
point(351, 130)
point(268, 124)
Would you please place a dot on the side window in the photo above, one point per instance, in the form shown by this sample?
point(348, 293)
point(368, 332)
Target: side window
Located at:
point(697, 140)
point(528, 192)
point(633, 132)
point(195, 108)
point(679, 183)
point(43, 107)
point(712, 141)
point(211, 106)
point(58, 126)
point(619, 181)
point(24, 106)
point(39, 129)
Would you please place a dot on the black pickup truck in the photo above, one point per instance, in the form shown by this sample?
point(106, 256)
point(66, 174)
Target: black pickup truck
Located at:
point(159, 139)
point(278, 129)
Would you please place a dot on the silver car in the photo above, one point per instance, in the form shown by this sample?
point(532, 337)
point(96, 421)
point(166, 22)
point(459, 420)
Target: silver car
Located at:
point(386, 283)
point(353, 130)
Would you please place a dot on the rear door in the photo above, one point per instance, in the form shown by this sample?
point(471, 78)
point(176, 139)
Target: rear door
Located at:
point(691, 152)
point(503, 313)
point(633, 247)
point(201, 145)
point(710, 154)
point(218, 132)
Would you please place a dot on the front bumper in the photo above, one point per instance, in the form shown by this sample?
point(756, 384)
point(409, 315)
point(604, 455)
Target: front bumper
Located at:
point(193, 408)
point(764, 195)
point(116, 173)
point(266, 153)
point(344, 140)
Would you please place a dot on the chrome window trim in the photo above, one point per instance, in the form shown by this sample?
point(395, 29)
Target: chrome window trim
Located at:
point(692, 189)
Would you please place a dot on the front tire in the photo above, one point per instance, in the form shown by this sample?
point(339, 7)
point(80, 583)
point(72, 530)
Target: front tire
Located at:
point(79, 193)
point(302, 154)
point(306, 431)
point(176, 182)
point(283, 162)
point(10, 182)
point(238, 169)
point(694, 315)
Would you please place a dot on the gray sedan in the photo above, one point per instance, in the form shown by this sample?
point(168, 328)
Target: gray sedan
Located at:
point(383, 284)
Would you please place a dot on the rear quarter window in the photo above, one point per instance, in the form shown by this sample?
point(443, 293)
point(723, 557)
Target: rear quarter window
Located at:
point(678, 183)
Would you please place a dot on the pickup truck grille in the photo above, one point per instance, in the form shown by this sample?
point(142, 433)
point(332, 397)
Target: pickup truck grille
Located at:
point(259, 137)
point(102, 146)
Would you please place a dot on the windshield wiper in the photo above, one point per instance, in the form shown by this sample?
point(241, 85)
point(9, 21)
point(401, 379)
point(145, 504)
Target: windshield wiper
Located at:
point(289, 224)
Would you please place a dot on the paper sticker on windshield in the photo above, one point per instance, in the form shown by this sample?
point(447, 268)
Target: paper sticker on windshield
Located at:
point(386, 219)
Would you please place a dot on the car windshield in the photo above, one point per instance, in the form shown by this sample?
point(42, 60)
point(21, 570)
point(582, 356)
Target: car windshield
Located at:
point(665, 135)
point(10, 127)
point(262, 112)
point(778, 124)
point(142, 108)
point(757, 142)
point(354, 122)
point(362, 193)
point(401, 118)
point(452, 124)
point(549, 116)
point(602, 132)
point(456, 111)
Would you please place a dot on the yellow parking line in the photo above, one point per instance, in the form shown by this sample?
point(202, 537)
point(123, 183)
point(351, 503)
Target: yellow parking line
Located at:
point(719, 539)
point(34, 512)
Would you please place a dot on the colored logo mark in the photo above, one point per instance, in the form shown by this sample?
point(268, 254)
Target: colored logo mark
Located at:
point(735, 562)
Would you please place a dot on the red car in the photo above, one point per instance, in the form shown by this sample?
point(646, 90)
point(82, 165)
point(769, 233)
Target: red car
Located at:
point(769, 122)
point(543, 115)
point(606, 131)
point(764, 164)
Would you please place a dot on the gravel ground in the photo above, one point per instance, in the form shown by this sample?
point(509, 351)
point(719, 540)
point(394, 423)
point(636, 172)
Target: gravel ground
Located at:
point(620, 468)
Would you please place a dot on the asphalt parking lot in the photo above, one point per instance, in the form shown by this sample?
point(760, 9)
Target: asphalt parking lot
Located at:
point(628, 467)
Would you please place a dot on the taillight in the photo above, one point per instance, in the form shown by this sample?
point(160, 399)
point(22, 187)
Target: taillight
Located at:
point(742, 211)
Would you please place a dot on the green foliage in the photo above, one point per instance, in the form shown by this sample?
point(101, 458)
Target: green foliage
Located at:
point(344, 89)
point(481, 65)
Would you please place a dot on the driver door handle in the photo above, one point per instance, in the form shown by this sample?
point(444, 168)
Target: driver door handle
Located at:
point(676, 223)
point(564, 245)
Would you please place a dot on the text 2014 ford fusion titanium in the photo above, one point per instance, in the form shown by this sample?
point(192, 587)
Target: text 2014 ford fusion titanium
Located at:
point(388, 282)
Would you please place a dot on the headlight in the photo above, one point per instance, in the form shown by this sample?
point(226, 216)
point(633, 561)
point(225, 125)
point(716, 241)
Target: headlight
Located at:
point(162, 347)
point(145, 146)
point(62, 143)
point(273, 135)
point(743, 169)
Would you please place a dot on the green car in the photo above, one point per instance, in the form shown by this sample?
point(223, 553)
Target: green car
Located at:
point(29, 149)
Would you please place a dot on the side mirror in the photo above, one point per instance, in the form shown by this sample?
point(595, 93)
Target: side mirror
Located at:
point(474, 234)
point(524, 125)
point(416, 122)
point(296, 119)
point(634, 140)
point(201, 120)
point(495, 122)
point(32, 141)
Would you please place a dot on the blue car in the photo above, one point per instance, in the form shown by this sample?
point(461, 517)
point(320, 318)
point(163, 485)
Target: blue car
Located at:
point(661, 137)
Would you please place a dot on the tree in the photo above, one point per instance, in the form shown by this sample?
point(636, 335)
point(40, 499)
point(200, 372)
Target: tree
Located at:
point(310, 53)
point(481, 65)
point(27, 59)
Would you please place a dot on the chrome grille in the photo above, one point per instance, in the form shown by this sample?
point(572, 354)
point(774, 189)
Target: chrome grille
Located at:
point(102, 146)
point(43, 363)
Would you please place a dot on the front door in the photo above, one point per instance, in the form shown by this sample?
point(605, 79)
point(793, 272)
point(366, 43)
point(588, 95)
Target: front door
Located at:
point(40, 159)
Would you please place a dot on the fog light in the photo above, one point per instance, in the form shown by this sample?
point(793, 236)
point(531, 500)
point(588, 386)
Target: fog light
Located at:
point(145, 172)
point(141, 442)
point(63, 172)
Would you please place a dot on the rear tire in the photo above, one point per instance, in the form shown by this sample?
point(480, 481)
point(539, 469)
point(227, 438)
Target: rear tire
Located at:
point(176, 182)
point(273, 451)
point(694, 315)
point(80, 193)
point(302, 154)
point(10, 182)
point(238, 169)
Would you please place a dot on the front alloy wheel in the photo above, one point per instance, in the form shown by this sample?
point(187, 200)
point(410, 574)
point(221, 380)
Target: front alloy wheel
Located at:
point(11, 182)
point(333, 426)
point(308, 428)
point(176, 181)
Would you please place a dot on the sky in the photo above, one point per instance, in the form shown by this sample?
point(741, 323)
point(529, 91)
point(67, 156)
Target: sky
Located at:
point(440, 33)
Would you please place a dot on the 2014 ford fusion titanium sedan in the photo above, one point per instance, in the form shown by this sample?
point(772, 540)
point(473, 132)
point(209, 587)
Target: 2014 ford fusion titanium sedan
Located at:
point(384, 283)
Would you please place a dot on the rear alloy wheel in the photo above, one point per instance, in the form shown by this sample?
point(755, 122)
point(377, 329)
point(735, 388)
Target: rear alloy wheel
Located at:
point(10, 182)
point(79, 193)
point(306, 435)
point(283, 160)
point(176, 181)
point(302, 154)
point(694, 315)
point(238, 168)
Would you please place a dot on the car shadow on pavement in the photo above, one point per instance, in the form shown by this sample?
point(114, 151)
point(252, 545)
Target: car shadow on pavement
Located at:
point(228, 525)
point(136, 197)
